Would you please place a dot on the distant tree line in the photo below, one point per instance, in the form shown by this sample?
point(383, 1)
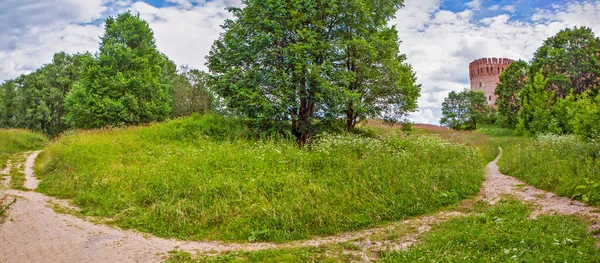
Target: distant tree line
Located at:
point(558, 92)
point(295, 67)
point(464, 110)
point(127, 82)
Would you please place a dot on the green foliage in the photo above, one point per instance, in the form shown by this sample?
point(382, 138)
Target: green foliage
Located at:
point(504, 233)
point(512, 81)
point(36, 101)
point(564, 70)
point(125, 83)
point(570, 61)
point(463, 110)
point(191, 94)
point(375, 80)
point(192, 179)
point(559, 164)
point(304, 57)
point(584, 117)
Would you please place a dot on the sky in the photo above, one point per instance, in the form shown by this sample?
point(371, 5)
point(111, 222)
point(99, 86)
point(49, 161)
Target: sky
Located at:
point(439, 37)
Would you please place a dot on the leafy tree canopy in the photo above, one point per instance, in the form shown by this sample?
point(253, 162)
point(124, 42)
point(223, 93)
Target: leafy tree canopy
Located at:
point(570, 61)
point(296, 63)
point(126, 83)
point(512, 81)
point(463, 110)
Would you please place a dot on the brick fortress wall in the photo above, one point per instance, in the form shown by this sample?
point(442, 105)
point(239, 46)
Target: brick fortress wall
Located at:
point(485, 75)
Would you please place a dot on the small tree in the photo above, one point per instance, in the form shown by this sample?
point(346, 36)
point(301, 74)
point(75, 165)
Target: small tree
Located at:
point(191, 93)
point(463, 110)
point(512, 81)
point(126, 82)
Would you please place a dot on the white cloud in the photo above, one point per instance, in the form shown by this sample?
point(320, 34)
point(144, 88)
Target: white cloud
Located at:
point(509, 8)
point(475, 4)
point(439, 43)
point(34, 30)
point(494, 7)
point(186, 32)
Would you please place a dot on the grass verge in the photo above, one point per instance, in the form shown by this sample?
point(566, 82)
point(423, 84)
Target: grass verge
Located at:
point(564, 165)
point(192, 179)
point(15, 141)
point(504, 233)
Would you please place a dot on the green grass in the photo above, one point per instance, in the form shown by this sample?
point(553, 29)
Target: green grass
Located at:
point(305, 254)
point(494, 130)
point(504, 233)
point(561, 164)
point(192, 179)
point(499, 233)
point(16, 141)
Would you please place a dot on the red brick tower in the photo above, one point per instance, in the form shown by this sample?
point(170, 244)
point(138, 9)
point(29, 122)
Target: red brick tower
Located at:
point(485, 75)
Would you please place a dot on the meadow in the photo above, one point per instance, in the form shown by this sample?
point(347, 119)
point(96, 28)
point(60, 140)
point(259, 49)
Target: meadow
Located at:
point(208, 178)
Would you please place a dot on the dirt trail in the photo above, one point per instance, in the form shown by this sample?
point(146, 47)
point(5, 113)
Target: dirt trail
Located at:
point(34, 232)
point(497, 184)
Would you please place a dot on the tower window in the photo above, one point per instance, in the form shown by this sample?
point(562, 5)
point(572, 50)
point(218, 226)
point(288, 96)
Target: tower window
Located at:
point(480, 84)
point(490, 98)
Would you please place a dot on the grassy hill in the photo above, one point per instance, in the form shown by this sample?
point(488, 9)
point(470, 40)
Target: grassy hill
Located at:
point(205, 177)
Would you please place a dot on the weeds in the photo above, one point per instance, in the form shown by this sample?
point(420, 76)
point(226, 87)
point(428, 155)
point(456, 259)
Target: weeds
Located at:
point(5, 204)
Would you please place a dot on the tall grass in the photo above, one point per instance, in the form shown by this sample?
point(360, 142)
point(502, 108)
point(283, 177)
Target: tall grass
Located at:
point(181, 179)
point(14, 141)
point(11, 142)
point(561, 164)
point(504, 233)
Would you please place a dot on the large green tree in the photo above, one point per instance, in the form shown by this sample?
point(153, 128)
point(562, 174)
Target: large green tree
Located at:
point(126, 83)
point(271, 62)
point(376, 81)
point(564, 68)
point(512, 81)
point(570, 62)
point(463, 110)
point(299, 62)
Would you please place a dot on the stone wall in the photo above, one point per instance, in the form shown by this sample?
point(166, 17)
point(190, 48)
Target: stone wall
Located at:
point(485, 75)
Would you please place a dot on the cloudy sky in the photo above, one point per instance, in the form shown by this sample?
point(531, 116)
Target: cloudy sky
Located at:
point(440, 37)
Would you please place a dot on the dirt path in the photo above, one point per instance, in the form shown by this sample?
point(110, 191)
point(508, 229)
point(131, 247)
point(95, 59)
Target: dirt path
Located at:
point(497, 185)
point(34, 232)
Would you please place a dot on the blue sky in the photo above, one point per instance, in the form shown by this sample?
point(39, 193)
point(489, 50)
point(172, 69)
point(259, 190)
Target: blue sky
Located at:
point(440, 38)
point(524, 8)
